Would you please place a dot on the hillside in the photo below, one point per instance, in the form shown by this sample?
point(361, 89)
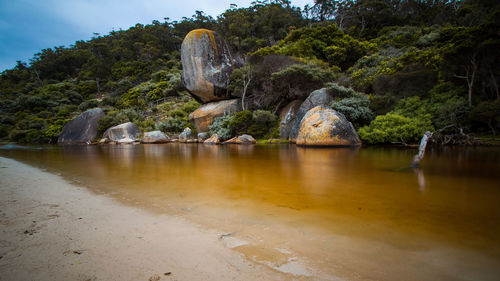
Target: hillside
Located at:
point(398, 68)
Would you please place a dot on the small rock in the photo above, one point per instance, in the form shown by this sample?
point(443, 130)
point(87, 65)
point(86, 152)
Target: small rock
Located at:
point(185, 135)
point(243, 139)
point(214, 139)
point(202, 136)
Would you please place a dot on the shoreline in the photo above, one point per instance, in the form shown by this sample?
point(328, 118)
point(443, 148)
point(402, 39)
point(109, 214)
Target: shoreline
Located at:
point(54, 230)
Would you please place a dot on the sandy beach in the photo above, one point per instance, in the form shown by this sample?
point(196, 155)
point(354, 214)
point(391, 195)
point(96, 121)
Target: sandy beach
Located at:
point(53, 230)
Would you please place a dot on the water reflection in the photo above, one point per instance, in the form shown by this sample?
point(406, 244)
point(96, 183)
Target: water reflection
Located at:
point(358, 191)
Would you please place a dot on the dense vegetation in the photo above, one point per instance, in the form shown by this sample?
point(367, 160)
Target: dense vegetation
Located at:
point(396, 69)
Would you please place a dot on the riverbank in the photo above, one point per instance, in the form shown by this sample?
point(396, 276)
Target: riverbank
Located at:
point(53, 230)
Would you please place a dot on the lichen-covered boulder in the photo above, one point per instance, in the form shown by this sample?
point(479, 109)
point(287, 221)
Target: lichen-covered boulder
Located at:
point(124, 132)
point(204, 116)
point(155, 137)
point(82, 129)
point(287, 116)
point(318, 97)
point(323, 126)
point(207, 63)
point(243, 139)
point(214, 139)
point(185, 135)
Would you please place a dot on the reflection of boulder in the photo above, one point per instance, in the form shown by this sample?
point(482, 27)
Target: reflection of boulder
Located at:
point(155, 137)
point(207, 64)
point(204, 116)
point(318, 97)
point(323, 126)
point(287, 116)
point(214, 139)
point(123, 133)
point(243, 139)
point(83, 128)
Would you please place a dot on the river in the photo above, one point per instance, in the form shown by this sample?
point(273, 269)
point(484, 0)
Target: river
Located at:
point(326, 213)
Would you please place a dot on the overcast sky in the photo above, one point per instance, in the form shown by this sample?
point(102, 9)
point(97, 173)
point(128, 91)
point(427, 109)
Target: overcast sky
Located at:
point(28, 26)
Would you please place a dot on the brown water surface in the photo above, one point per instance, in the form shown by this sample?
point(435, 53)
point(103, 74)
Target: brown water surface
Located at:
point(339, 214)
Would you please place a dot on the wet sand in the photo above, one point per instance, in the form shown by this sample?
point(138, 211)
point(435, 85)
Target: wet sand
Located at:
point(53, 230)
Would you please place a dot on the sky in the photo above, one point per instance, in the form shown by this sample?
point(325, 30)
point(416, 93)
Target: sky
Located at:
point(28, 26)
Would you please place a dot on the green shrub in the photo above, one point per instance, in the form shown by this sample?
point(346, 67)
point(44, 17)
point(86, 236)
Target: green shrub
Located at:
point(114, 118)
point(240, 123)
point(220, 126)
point(354, 105)
point(172, 125)
point(395, 128)
point(88, 104)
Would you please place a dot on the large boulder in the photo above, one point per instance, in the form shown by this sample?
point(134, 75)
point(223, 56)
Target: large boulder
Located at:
point(83, 128)
point(204, 116)
point(155, 137)
point(207, 63)
point(123, 133)
point(318, 97)
point(287, 116)
point(243, 139)
point(323, 126)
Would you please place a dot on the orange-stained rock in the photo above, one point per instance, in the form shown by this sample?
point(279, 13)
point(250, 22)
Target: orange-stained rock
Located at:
point(207, 63)
point(243, 139)
point(318, 97)
point(214, 139)
point(204, 116)
point(323, 126)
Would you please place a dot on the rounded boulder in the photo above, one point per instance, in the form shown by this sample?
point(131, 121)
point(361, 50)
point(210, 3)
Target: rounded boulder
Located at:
point(323, 126)
point(207, 63)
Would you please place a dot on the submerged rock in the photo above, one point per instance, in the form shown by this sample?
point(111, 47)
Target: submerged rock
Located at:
point(318, 97)
point(243, 139)
point(287, 116)
point(122, 133)
point(204, 116)
point(214, 139)
point(82, 129)
point(155, 137)
point(207, 63)
point(323, 126)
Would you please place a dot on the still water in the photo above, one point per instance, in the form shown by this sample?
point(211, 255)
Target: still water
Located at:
point(329, 213)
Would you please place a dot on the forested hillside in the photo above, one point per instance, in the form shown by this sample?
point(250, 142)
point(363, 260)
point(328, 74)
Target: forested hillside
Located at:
point(399, 68)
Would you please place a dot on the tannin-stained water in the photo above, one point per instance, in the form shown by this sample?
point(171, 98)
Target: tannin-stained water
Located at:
point(351, 214)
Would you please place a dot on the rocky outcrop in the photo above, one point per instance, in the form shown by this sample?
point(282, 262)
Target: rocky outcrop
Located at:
point(155, 137)
point(207, 63)
point(204, 116)
point(243, 139)
point(123, 133)
point(186, 135)
point(82, 129)
point(287, 116)
point(214, 139)
point(318, 97)
point(323, 126)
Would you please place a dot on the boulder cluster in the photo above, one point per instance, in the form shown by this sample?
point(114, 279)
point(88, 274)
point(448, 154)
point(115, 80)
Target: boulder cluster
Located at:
point(207, 63)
